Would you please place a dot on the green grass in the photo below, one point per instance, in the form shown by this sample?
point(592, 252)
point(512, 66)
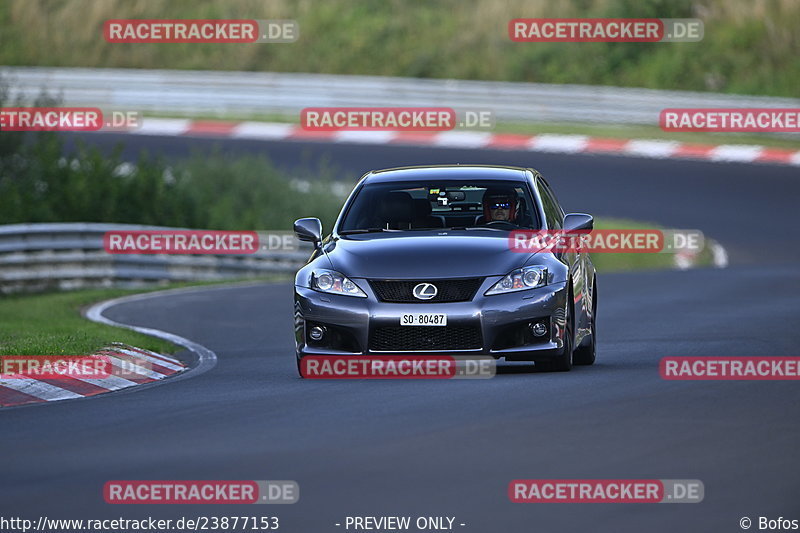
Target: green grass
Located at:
point(52, 324)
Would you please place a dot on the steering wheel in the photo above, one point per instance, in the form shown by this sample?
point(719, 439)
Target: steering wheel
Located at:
point(501, 223)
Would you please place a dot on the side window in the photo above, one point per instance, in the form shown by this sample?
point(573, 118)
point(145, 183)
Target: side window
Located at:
point(527, 213)
point(552, 211)
point(555, 203)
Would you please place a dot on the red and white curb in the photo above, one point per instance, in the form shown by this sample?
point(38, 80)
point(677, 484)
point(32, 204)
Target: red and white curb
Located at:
point(154, 367)
point(577, 144)
point(130, 367)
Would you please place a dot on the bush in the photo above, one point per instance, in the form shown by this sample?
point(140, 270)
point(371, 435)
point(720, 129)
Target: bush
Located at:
point(39, 183)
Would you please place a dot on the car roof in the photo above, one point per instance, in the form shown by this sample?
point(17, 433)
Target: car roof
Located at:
point(448, 172)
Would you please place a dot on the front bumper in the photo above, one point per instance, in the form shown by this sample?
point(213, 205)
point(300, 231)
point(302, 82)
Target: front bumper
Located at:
point(495, 326)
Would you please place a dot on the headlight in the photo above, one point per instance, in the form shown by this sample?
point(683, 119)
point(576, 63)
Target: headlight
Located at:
point(334, 282)
point(520, 280)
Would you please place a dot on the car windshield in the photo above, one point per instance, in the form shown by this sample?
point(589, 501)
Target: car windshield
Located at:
point(409, 206)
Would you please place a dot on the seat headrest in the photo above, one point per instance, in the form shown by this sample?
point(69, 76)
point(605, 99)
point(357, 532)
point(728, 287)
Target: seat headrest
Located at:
point(422, 207)
point(397, 206)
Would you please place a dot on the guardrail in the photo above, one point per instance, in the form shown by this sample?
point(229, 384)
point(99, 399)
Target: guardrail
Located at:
point(196, 93)
point(36, 257)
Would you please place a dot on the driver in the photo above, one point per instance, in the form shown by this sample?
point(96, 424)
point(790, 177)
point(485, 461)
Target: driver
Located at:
point(500, 205)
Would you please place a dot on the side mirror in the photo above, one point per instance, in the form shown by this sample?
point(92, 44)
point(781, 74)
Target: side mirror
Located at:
point(578, 221)
point(308, 229)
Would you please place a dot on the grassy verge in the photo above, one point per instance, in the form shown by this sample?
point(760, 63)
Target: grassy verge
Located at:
point(607, 262)
point(52, 324)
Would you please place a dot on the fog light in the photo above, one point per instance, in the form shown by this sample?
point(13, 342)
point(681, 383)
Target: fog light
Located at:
point(316, 333)
point(538, 329)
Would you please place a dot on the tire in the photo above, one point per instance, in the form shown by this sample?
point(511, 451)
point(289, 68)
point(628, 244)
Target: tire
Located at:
point(586, 353)
point(563, 362)
point(299, 373)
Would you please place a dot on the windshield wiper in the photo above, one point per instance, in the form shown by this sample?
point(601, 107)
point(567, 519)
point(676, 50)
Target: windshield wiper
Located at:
point(470, 228)
point(364, 230)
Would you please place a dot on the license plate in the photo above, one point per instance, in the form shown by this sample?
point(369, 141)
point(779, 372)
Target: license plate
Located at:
point(423, 319)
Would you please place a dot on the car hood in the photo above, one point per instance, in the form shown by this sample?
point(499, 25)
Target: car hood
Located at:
point(428, 255)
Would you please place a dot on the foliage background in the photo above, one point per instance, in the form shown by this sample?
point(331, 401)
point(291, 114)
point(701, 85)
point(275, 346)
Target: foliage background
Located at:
point(749, 47)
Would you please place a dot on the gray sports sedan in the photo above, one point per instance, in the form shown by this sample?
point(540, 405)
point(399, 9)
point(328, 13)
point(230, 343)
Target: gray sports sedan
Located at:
point(419, 262)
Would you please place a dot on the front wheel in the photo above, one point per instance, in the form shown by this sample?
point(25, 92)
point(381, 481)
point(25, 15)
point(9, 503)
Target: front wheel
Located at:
point(586, 353)
point(563, 362)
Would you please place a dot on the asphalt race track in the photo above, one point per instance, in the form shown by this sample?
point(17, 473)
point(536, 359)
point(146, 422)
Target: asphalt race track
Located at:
point(450, 448)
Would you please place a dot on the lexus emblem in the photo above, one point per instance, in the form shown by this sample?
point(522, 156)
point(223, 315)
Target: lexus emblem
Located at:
point(425, 291)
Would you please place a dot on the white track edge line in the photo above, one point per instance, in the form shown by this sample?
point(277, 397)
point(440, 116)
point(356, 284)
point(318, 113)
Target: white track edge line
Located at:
point(207, 359)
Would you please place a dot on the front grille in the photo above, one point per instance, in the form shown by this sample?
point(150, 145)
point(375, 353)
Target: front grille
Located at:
point(424, 338)
point(449, 290)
